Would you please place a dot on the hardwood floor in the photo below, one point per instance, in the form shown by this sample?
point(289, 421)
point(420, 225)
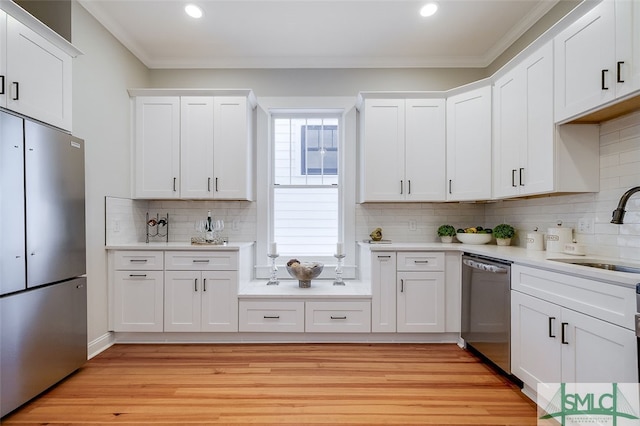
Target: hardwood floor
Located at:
point(278, 384)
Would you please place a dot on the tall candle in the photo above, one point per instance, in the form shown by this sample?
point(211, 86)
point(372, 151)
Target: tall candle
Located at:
point(273, 248)
point(340, 249)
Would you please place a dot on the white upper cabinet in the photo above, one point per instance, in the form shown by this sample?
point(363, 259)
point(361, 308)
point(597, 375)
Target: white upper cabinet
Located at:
point(469, 145)
point(402, 146)
point(596, 58)
point(157, 147)
point(193, 147)
point(35, 74)
point(523, 132)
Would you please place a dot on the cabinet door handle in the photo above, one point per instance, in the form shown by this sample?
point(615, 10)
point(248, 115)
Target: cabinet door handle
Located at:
point(208, 184)
point(17, 86)
point(513, 177)
point(603, 77)
point(271, 317)
point(138, 275)
point(401, 188)
point(450, 187)
point(338, 318)
point(174, 184)
point(204, 284)
point(409, 187)
point(564, 333)
point(195, 284)
point(2, 85)
point(551, 327)
point(619, 72)
point(216, 184)
point(520, 173)
point(401, 286)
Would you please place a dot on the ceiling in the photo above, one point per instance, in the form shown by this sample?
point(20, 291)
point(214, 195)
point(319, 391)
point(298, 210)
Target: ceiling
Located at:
point(317, 33)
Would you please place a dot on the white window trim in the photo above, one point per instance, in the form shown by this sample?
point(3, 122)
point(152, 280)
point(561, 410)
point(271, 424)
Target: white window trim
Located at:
point(347, 164)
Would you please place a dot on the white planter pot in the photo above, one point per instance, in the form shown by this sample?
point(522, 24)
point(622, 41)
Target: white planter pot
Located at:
point(446, 239)
point(503, 241)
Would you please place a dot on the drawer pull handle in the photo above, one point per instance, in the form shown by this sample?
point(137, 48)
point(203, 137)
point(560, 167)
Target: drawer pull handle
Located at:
point(551, 327)
point(338, 318)
point(200, 260)
point(272, 317)
point(420, 261)
point(384, 257)
point(138, 275)
point(138, 260)
point(564, 333)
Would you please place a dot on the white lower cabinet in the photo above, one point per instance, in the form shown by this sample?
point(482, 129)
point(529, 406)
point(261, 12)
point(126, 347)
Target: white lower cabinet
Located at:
point(420, 302)
point(552, 343)
point(200, 301)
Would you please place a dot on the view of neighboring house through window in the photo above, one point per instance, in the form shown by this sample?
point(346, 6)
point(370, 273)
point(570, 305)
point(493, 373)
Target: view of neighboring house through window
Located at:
point(305, 184)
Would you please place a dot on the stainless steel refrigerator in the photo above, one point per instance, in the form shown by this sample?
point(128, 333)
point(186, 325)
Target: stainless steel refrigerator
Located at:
point(43, 301)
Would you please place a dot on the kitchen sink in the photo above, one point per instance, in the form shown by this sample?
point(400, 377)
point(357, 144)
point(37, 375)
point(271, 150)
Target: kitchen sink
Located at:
point(602, 264)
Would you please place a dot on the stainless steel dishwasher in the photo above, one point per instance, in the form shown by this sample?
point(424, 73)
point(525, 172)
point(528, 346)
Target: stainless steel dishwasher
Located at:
point(486, 308)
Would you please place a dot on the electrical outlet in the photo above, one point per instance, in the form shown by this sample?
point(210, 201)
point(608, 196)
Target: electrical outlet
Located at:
point(115, 226)
point(413, 225)
point(235, 225)
point(585, 226)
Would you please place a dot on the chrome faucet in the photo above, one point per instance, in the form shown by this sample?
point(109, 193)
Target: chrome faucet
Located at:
point(618, 214)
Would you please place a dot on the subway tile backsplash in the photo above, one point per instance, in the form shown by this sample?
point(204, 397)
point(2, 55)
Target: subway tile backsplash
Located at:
point(418, 222)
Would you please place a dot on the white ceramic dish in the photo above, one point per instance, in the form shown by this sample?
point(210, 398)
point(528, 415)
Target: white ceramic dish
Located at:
point(473, 238)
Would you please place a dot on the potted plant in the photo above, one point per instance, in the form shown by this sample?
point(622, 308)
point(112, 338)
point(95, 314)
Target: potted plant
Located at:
point(446, 233)
point(503, 234)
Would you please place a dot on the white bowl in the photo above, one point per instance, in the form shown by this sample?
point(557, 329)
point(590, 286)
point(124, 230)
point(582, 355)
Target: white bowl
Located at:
point(473, 238)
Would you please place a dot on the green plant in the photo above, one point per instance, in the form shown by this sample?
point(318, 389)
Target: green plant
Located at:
point(504, 231)
point(446, 231)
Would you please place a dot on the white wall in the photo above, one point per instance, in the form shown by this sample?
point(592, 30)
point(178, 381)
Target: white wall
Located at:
point(619, 171)
point(101, 117)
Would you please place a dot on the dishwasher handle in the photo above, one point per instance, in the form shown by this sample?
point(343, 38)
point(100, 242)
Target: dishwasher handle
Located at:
point(486, 267)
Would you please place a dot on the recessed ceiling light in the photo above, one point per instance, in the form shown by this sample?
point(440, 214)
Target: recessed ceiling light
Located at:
point(429, 9)
point(193, 11)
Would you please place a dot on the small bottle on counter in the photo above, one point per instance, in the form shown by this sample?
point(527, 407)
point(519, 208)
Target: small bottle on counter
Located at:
point(209, 228)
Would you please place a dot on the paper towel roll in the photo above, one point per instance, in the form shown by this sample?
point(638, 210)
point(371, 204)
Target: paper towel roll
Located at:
point(534, 241)
point(557, 237)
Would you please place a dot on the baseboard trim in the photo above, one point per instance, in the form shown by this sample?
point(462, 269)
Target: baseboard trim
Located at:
point(100, 344)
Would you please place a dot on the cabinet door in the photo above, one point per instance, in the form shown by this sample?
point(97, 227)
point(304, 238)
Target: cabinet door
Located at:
point(627, 47)
point(421, 304)
point(584, 62)
point(383, 292)
point(509, 115)
point(382, 150)
point(469, 145)
point(595, 351)
point(425, 126)
point(182, 300)
point(220, 301)
point(138, 301)
point(537, 155)
point(535, 340)
point(3, 59)
point(157, 147)
point(39, 76)
point(233, 153)
point(196, 147)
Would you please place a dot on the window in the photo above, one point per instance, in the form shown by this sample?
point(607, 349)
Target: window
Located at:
point(305, 190)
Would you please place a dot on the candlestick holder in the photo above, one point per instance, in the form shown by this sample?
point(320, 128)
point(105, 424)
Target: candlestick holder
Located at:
point(338, 280)
point(273, 279)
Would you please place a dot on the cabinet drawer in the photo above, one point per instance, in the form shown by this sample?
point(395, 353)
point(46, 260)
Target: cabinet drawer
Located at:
point(135, 260)
point(420, 261)
point(339, 317)
point(271, 316)
point(201, 261)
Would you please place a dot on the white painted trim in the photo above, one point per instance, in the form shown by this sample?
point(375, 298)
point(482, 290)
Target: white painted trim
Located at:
point(100, 344)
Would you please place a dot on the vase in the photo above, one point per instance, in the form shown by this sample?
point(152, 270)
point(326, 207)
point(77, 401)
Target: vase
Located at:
point(503, 241)
point(446, 239)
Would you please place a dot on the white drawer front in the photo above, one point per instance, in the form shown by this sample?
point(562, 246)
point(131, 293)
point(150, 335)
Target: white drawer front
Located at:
point(420, 261)
point(135, 260)
point(271, 316)
point(201, 261)
point(339, 317)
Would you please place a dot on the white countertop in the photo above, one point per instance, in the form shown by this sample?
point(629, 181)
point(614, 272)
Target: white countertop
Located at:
point(522, 256)
point(235, 246)
point(319, 289)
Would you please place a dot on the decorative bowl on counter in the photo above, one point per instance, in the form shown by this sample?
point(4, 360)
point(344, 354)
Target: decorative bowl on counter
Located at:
point(466, 238)
point(304, 272)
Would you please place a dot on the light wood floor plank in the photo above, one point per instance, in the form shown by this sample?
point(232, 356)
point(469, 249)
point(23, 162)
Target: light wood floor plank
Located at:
point(292, 384)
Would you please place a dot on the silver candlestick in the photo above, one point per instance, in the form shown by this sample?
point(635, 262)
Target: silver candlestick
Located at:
point(338, 280)
point(273, 279)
